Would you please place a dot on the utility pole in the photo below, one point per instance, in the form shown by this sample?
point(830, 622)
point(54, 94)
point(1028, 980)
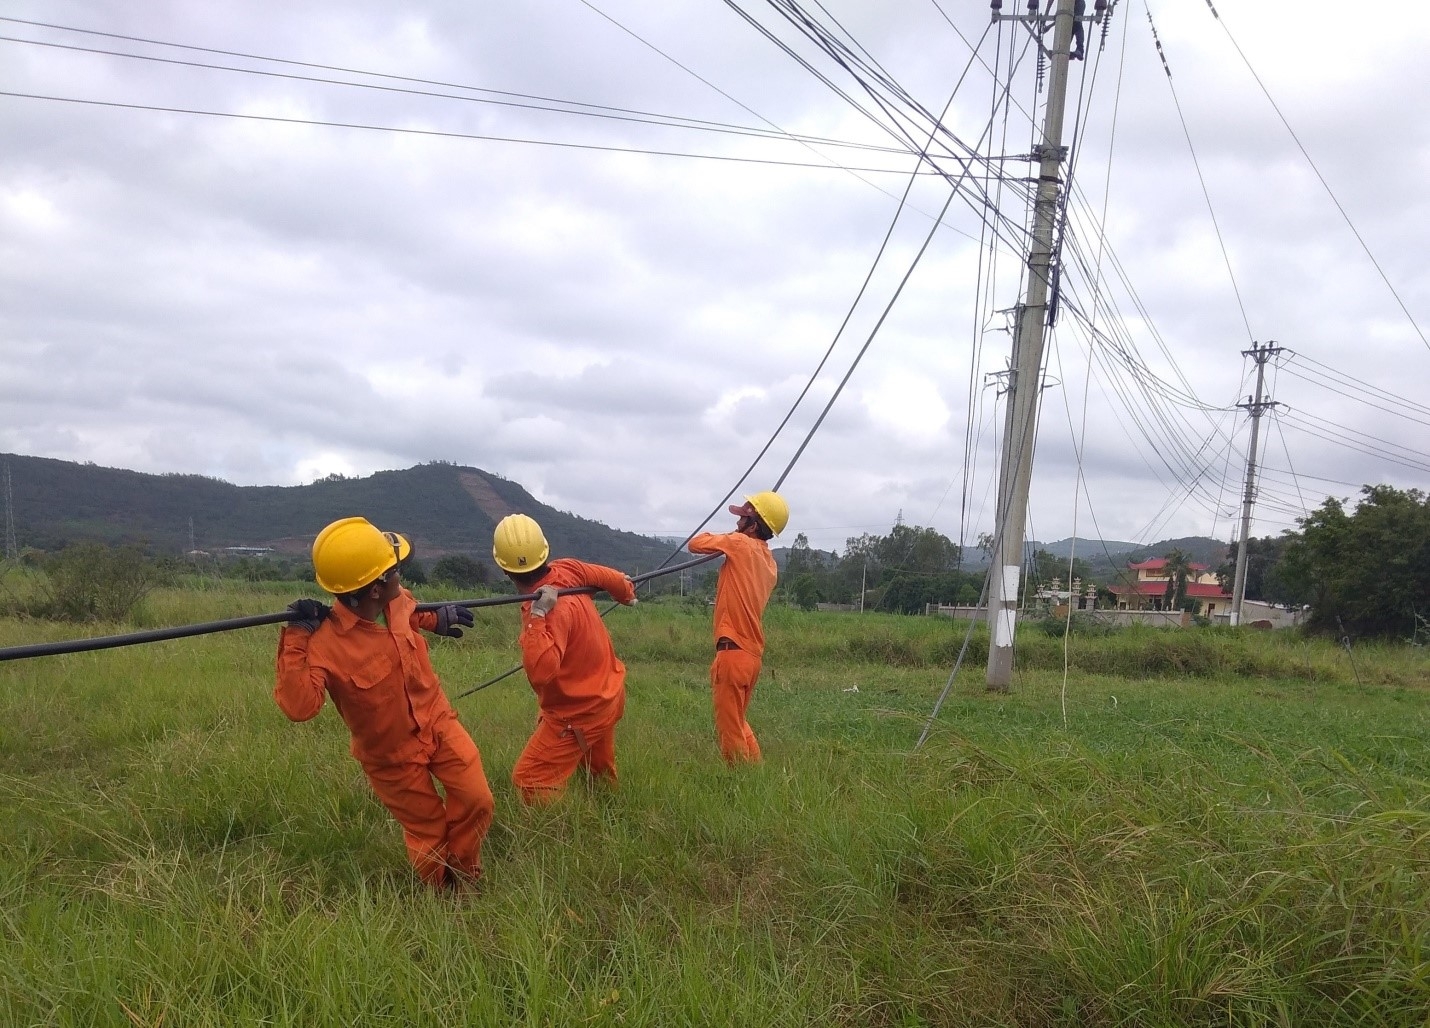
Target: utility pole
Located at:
point(1025, 370)
point(1257, 407)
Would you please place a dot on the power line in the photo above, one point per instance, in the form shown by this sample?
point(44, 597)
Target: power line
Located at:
point(1324, 184)
point(442, 134)
point(1197, 164)
point(543, 104)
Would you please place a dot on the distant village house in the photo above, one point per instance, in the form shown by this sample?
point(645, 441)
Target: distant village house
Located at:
point(1148, 591)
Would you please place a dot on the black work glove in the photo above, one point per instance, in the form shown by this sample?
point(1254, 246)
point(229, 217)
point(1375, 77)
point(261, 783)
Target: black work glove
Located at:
point(308, 614)
point(449, 618)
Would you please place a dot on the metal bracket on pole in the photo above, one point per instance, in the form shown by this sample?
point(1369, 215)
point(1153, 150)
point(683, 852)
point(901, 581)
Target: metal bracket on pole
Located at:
point(1034, 16)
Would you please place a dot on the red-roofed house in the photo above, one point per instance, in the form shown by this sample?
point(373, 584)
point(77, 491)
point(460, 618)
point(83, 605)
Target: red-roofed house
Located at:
point(1149, 590)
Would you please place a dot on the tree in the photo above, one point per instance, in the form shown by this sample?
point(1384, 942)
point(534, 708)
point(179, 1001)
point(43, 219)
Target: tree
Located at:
point(1264, 575)
point(919, 550)
point(1179, 572)
point(1368, 572)
point(459, 570)
point(805, 591)
point(1048, 567)
point(858, 569)
point(801, 558)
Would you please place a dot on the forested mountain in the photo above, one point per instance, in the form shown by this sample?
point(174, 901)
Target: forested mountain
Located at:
point(443, 508)
point(1106, 559)
point(1086, 549)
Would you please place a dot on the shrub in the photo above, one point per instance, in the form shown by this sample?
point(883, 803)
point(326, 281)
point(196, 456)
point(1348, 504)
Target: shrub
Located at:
point(459, 570)
point(1081, 623)
point(884, 648)
point(90, 581)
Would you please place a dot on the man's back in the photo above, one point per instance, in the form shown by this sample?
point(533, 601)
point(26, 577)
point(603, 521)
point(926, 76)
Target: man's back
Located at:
point(568, 655)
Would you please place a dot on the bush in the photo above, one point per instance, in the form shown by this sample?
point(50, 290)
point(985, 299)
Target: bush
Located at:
point(458, 570)
point(884, 648)
point(90, 581)
point(1081, 623)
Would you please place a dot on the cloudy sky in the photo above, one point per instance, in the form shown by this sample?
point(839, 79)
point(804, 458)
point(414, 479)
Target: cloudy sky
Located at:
point(284, 240)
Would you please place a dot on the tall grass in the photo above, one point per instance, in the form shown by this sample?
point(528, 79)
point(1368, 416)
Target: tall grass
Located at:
point(1209, 845)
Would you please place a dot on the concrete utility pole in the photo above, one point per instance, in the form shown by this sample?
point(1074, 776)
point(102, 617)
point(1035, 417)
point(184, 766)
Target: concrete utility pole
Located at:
point(1025, 371)
point(1257, 407)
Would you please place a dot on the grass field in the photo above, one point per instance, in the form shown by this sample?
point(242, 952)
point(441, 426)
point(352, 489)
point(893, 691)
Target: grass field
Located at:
point(1224, 829)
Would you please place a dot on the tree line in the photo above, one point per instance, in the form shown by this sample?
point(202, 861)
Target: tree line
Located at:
point(901, 572)
point(1363, 571)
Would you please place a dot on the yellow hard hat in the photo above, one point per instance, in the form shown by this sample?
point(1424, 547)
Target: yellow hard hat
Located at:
point(353, 552)
point(770, 507)
point(518, 544)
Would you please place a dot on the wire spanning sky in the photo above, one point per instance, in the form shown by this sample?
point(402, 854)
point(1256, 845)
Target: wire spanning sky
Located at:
point(599, 247)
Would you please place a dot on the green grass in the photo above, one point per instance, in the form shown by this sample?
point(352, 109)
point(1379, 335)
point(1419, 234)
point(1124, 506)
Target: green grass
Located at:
point(1227, 829)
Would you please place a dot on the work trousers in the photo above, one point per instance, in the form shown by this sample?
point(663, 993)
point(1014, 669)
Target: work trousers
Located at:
point(443, 837)
point(558, 747)
point(732, 684)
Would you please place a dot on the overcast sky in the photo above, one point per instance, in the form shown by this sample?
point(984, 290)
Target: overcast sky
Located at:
point(268, 301)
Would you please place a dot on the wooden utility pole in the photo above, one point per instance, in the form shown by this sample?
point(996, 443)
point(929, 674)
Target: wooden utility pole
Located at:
point(1257, 407)
point(1025, 371)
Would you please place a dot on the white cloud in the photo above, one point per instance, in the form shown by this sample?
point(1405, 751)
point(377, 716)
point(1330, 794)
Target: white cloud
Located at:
point(621, 332)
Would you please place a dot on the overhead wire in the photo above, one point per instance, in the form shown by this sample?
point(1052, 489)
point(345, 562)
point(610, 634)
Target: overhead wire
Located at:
point(839, 388)
point(447, 134)
point(1206, 193)
point(696, 75)
point(897, 129)
point(1324, 184)
point(532, 103)
point(1287, 449)
point(983, 293)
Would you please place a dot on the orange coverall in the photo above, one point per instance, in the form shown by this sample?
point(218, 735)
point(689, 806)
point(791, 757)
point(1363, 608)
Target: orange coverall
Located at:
point(404, 731)
point(579, 682)
point(746, 580)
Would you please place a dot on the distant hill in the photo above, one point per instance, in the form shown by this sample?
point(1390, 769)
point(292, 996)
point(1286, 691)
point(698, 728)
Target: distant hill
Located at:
point(1201, 550)
point(1105, 558)
point(443, 508)
point(1086, 548)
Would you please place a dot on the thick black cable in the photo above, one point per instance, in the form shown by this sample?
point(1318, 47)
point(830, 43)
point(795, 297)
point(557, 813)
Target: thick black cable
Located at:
point(107, 642)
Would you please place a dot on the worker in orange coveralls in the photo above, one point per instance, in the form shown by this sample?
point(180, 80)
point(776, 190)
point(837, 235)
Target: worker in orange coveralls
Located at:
point(580, 684)
point(746, 580)
point(367, 654)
